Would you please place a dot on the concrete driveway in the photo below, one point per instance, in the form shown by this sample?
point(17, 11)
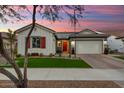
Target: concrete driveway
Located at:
point(102, 61)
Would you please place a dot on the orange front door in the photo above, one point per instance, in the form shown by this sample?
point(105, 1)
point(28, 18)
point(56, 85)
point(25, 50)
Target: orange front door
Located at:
point(65, 46)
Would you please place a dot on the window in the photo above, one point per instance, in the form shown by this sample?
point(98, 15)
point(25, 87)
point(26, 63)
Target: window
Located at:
point(35, 42)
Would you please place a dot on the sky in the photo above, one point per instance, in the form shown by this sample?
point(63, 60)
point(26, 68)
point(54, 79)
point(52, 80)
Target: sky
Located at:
point(96, 17)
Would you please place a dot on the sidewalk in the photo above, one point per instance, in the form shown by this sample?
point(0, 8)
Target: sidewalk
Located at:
point(72, 74)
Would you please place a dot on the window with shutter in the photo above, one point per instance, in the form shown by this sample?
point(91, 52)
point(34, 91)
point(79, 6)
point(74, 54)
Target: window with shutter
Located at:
point(36, 42)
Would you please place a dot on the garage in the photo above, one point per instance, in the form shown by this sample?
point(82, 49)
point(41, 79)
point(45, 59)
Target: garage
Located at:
point(89, 47)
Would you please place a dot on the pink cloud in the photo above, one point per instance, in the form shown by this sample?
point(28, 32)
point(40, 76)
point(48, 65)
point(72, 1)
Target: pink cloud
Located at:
point(65, 26)
point(104, 9)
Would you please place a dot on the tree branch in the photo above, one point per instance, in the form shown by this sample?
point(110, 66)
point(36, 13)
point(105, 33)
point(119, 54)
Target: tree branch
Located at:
point(10, 76)
point(26, 45)
point(9, 59)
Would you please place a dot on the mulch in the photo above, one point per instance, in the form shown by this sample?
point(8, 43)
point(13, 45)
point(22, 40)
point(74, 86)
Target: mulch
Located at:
point(63, 84)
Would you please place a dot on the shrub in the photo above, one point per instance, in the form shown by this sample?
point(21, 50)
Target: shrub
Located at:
point(106, 51)
point(29, 54)
point(41, 54)
point(34, 54)
point(18, 55)
point(50, 55)
point(113, 51)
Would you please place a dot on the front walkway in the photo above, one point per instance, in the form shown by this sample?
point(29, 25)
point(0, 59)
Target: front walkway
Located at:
point(44, 74)
point(102, 61)
point(72, 74)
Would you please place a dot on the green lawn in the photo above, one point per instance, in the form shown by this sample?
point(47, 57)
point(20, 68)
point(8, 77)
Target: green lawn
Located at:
point(53, 63)
point(120, 57)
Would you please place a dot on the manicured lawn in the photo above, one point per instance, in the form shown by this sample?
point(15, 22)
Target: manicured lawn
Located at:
point(120, 57)
point(53, 63)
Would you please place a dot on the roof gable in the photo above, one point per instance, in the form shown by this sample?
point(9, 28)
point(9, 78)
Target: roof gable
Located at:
point(36, 25)
point(87, 32)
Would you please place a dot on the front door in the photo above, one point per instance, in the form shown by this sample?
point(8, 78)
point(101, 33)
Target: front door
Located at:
point(65, 46)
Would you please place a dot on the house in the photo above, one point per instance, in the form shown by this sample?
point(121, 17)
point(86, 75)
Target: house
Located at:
point(6, 40)
point(47, 41)
point(121, 50)
point(122, 38)
point(6, 43)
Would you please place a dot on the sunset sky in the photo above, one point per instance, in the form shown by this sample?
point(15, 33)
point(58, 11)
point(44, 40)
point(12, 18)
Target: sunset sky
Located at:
point(99, 17)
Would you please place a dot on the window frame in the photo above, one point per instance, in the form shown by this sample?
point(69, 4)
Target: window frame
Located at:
point(37, 43)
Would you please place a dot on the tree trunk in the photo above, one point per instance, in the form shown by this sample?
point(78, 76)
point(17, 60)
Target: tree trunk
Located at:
point(11, 77)
point(26, 46)
point(75, 32)
point(9, 59)
point(11, 49)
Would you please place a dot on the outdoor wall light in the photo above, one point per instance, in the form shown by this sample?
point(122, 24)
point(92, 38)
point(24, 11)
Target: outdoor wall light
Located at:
point(72, 43)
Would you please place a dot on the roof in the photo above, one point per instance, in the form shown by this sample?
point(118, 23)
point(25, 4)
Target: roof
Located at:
point(93, 31)
point(94, 34)
point(63, 35)
point(120, 37)
point(89, 36)
point(5, 35)
point(67, 35)
point(36, 25)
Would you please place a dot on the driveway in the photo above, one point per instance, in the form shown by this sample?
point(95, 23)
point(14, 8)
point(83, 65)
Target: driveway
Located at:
point(102, 61)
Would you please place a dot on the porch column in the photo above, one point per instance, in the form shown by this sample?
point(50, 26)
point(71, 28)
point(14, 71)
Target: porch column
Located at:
point(56, 47)
point(75, 48)
point(69, 48)
point(103, 46)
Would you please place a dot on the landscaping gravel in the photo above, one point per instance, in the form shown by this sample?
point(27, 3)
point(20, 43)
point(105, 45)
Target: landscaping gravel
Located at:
point(63, 84)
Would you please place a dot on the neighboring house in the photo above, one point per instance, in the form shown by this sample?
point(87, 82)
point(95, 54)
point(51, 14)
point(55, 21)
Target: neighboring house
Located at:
point(5, 36)
point(122, 38)
point(6, 43)
point(46, 41)
point(121, 50)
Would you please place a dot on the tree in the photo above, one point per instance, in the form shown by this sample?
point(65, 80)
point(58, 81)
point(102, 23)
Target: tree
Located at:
point(49, 12)
point(11, 39)
point(5, 12)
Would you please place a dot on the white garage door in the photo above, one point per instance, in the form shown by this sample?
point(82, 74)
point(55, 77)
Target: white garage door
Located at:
point(89, 47)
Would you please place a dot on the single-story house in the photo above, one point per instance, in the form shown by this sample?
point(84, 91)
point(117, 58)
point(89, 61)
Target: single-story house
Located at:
point(6, 43)
point(6, 40)
point(122, 38)
point(121, 50)
point(47, 41)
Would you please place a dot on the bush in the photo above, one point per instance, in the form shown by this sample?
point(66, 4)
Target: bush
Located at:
point(113, 51)
point(34, 54)
point(106, 51)
point(50, 55)
point(41, 55)
point(29, 54)
point(18, 55)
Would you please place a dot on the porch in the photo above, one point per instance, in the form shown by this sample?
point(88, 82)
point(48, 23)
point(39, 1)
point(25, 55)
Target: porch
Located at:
point(65, 47)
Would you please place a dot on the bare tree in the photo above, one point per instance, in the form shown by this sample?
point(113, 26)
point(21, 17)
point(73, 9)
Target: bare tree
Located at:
point(16, 79)
point(26, 45)
point(5, 12)
point(49, 12)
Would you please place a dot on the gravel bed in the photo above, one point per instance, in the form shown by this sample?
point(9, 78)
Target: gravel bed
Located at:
point(63, 84)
